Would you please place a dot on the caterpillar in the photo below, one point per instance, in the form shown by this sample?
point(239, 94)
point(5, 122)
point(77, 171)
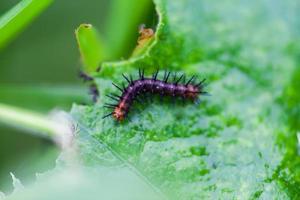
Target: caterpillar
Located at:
point(178, 88)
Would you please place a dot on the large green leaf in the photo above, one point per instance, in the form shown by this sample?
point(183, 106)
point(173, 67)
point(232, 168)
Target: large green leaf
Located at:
point(228, 146)
point(240, 143)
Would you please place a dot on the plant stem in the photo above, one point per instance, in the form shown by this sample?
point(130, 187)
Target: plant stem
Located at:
point(18, 17)
point(35, 123)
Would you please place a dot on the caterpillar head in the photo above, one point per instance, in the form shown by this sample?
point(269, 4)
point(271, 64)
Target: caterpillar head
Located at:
point(119, 114)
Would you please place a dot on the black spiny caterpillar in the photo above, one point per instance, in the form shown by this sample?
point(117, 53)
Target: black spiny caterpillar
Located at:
point(179, 88)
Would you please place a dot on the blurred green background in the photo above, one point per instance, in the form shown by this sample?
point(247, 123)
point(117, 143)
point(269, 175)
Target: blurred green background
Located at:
point(39, 71)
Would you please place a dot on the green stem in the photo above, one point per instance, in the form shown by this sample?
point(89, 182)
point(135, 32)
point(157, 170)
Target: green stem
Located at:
point(35, 123)
point(17, 18)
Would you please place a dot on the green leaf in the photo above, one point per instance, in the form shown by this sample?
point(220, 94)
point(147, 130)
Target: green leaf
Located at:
point(229, 146)
point(238, 144)
point(91, 46)
point(16, 19)
point(86, 183)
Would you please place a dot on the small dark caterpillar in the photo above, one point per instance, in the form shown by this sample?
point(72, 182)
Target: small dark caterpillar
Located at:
point(185, 90)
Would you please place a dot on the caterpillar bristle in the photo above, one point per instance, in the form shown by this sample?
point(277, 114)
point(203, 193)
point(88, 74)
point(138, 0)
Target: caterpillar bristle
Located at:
point(201, 83)
point(112, 97)
point(107, 115)
point(118, 87)
point(179, 79)
point(205, 93)
point(112, 105)
point(190, 80)
point(123, 87)
point(154, 76)
point(183, 80)
point(131, 80)
point(165, 74)
point(174, 77)
point(108, 106)
point(126, 78)
point(115, 95)
point(167, 77)
point(141, 73)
